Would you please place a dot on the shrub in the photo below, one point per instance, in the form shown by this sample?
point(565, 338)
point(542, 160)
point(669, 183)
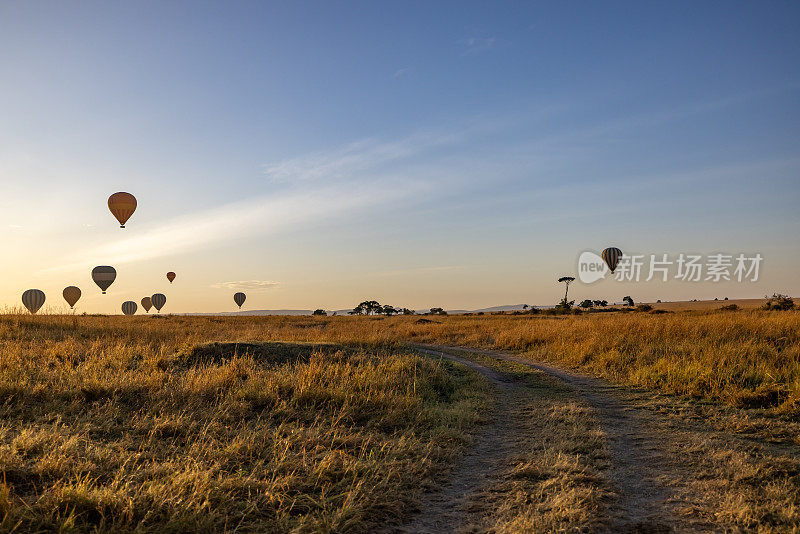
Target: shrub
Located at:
point(779, 301)
point(644, 307)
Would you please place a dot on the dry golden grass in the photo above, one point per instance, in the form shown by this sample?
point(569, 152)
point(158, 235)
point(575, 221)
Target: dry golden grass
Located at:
point(119, 424)
point(141, 423)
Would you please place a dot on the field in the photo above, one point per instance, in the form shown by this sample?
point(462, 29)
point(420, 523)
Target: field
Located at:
point(350, 424)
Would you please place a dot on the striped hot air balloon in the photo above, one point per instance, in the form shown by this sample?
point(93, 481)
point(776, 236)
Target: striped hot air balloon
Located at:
point(71, 295)
point(129, 307)
point(239, 299)
point(147, 304)
point(122, 206)
point(170, 276)
point(33, 299)
point(158, 300)
point(611, 256)
point(104, 276)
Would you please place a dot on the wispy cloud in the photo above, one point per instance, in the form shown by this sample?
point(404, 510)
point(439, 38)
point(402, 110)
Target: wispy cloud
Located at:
point(420, 270)
point(480, 43)
point(400, 73)
point(370, 175)
point(351, 160)
point(259, 216)
point(247, 285)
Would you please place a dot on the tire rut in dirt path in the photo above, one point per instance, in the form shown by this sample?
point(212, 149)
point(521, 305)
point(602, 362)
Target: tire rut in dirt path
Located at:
point(637, 461)
point(455, 506)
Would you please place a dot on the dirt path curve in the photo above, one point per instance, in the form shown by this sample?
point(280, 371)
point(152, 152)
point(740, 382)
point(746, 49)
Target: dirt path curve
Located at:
point(452, 508)
point(637, 461)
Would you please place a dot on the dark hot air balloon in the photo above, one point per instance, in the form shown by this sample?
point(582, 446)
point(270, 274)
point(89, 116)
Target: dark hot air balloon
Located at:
point(239, 299)
point(104, 276)
point(158, 301)
point(147, 304)
point(170, 276)
point(33, 299)
point(129, 307)
point(611, 256)
point(122, 206)
point(71, 295)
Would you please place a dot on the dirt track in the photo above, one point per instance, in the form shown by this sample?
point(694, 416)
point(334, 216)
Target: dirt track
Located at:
point(641, 474)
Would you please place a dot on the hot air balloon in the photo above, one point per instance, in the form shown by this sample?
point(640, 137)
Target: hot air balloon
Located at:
point(71, 295)
point(611, 256)
point(158, 301)
point(104, 276)
point(170, 276)
point(33, 299)
point(129, 307)
point(122, 206)
point(147, 304)
point(239, 298)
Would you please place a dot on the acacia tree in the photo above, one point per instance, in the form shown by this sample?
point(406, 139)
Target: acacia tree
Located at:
point(368, 307)
point(566, 280)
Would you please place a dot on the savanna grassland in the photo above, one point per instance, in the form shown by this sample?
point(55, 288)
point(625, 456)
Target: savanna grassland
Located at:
point(335, 424)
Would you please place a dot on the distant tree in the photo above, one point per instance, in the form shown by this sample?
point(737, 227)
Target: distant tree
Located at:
point(406, 311)
point(438, 311)
point(525, 306)
point(567, 280)
point(628, 301)
point(319, 311)
point(564, 305)
point(726, 298)
point(390, 310)
point(368, 307)
point(659, 301)
point(586, 304)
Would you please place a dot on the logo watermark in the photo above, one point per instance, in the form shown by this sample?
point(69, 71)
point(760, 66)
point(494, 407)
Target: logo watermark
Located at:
point(717, 267)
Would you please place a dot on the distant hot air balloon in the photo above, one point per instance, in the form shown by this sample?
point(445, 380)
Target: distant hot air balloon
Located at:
point(71, 295)
point(122, 206)
point(147, 304)
point(611, 256)
point(129, 307)
point(170, 276)
point(239, 298)
point(33, 299)
point(158, 301)
point(104, 276)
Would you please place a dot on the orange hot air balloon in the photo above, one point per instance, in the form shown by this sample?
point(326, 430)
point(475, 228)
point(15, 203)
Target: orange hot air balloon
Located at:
point(122, 206)
point(170, 276)
point(71, 295)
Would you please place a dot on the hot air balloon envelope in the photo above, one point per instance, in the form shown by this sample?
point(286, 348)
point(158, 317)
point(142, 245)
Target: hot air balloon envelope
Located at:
point(147, 304)
point(158, 301)
point(104, 276)
point(122, 206)
point(129, 307)
point(33, 299)
point(611, 256)
point(170, 276)
point(239, 299)
point(71, 295)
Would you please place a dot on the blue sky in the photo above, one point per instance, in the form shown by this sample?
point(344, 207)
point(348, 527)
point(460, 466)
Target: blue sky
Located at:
point(456, 154)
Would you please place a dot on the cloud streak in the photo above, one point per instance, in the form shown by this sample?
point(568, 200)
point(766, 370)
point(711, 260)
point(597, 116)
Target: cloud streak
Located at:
point(247, 285)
